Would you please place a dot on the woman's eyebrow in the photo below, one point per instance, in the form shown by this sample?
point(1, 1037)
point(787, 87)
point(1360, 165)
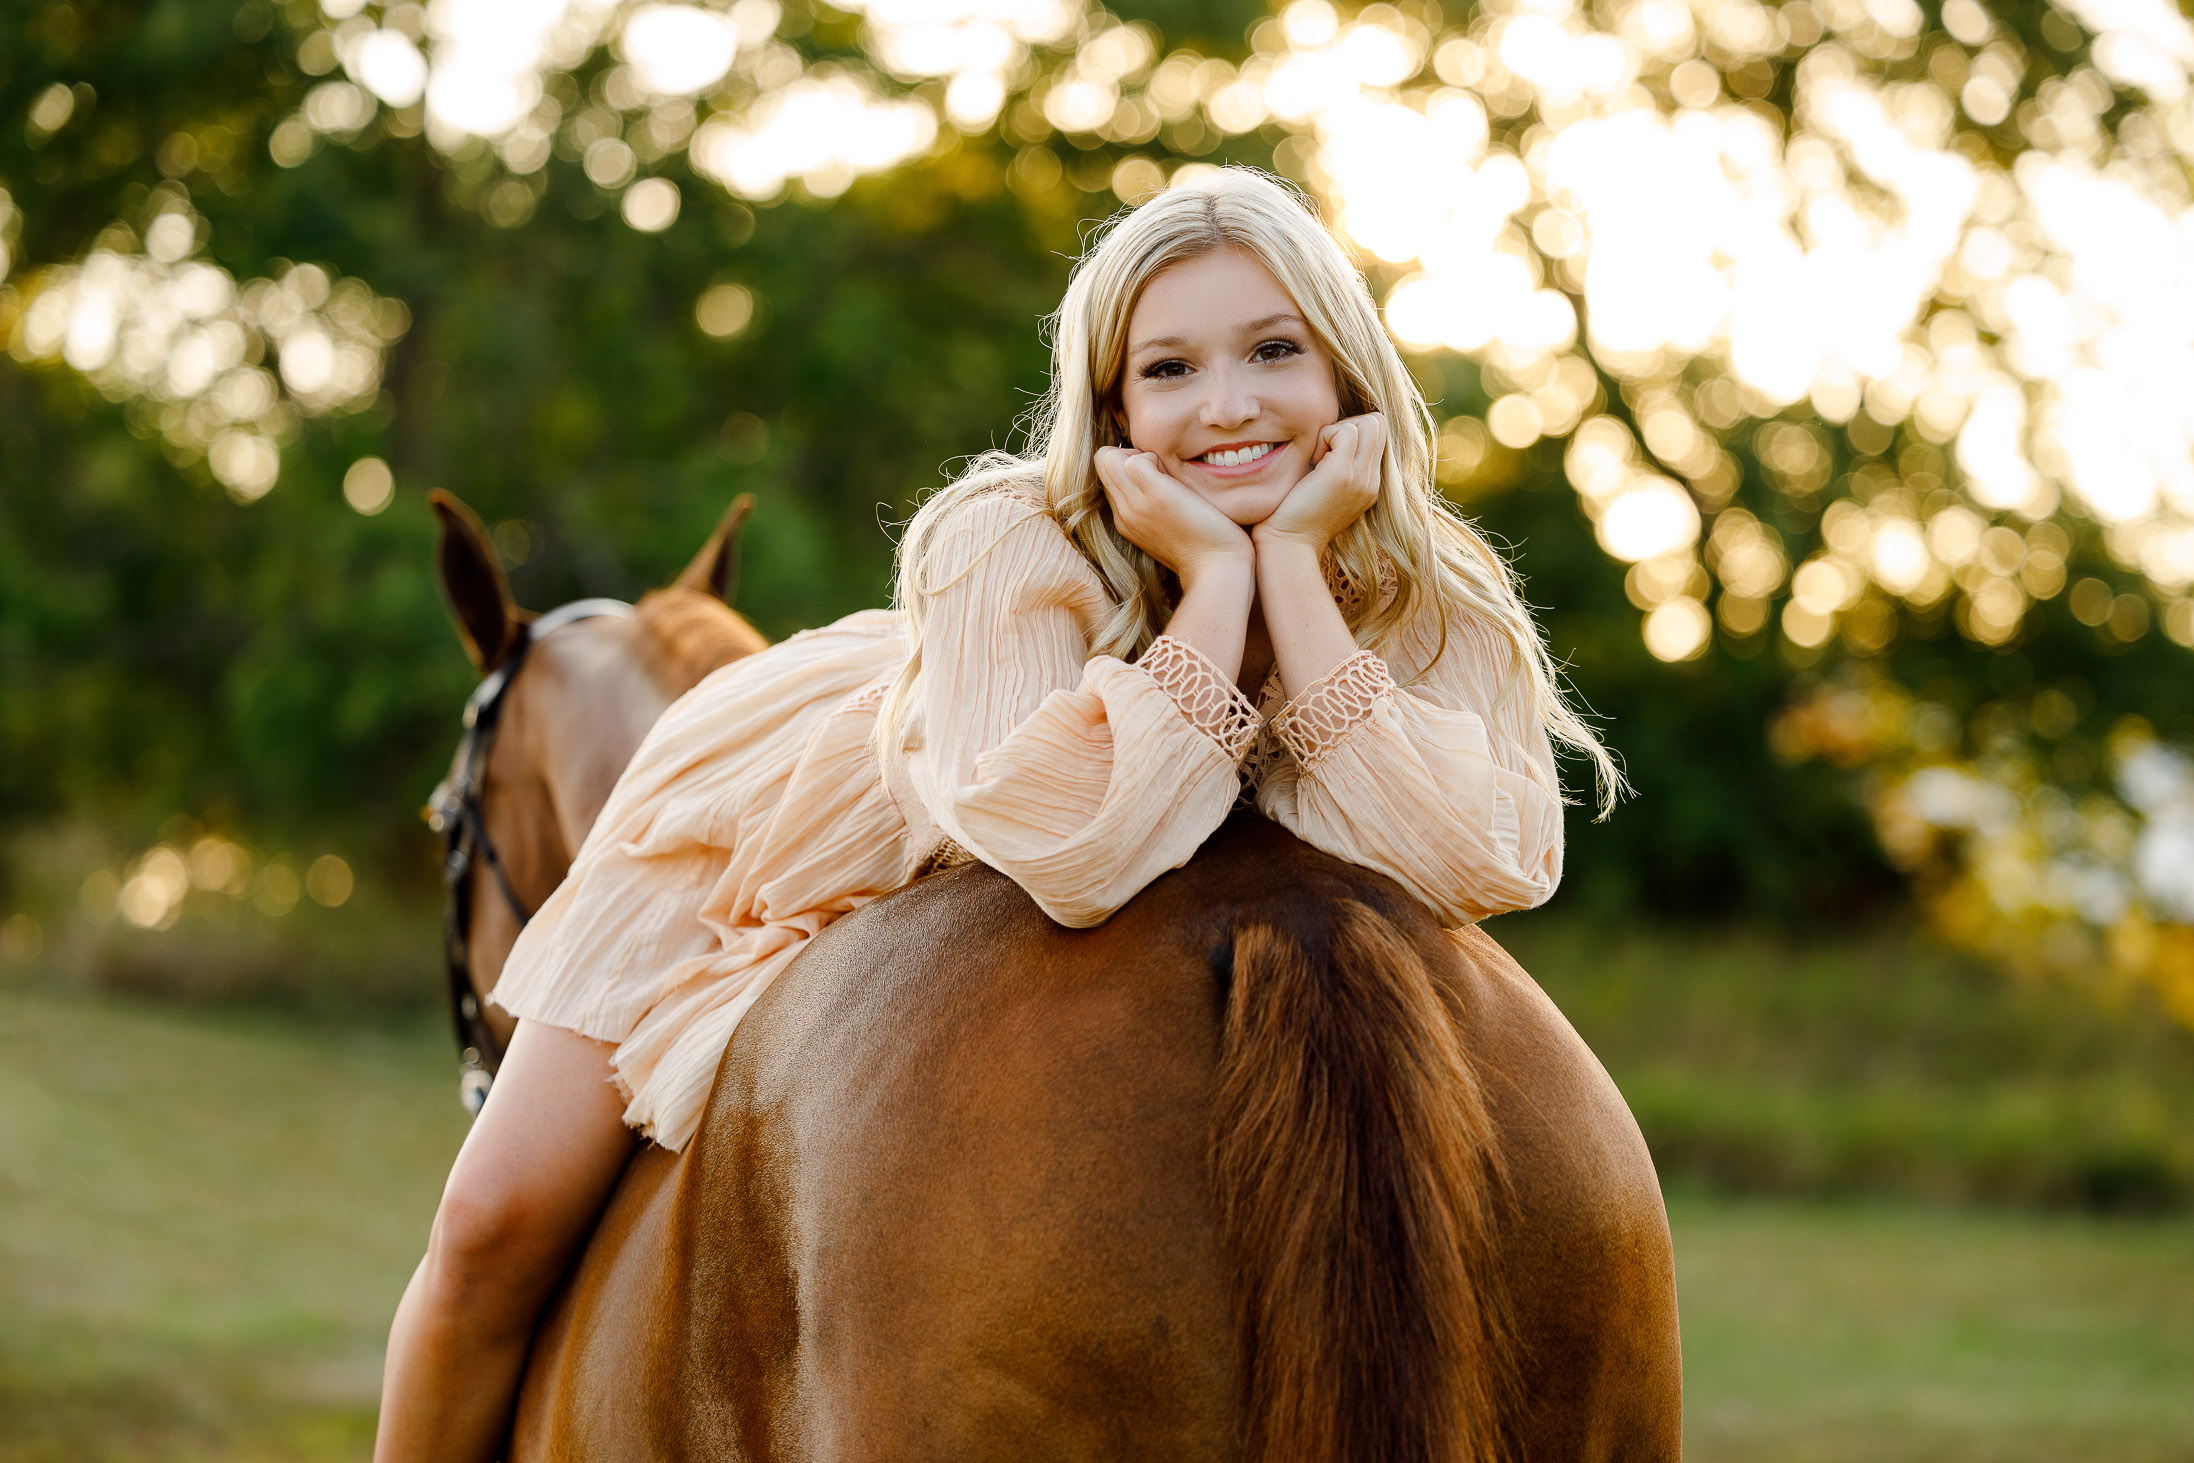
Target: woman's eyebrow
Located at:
point(1247, 328)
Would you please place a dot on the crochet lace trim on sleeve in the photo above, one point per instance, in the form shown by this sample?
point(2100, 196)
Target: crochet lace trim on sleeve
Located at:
point(1209, 700)
point(946, 855)
point(1318, 721)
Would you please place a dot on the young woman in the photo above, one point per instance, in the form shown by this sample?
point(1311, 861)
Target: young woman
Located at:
point(1222, 574)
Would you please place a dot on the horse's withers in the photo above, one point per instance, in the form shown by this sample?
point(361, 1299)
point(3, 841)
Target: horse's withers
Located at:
point(955, 1199)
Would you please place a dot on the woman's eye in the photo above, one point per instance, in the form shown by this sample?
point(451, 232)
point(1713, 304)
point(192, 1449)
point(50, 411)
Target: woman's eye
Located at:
point(1165, 368)
point(1277, 350)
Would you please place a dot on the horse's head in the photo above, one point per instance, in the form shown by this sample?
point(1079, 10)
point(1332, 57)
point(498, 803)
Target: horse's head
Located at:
point(564, 701)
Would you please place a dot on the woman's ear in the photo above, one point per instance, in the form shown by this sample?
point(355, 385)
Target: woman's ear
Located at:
point(1115, 422)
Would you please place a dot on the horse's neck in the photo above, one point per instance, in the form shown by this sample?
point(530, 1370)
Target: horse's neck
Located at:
point(681, 635)
point(588, 717)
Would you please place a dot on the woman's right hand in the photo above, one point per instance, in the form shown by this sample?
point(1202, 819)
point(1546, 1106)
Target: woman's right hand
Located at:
point(1160, 515)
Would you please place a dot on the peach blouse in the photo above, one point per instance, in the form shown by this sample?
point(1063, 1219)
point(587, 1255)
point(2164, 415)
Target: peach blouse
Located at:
point(758, 809)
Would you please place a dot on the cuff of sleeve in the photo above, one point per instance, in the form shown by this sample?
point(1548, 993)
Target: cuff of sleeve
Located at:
point(1315, 723)
point(1208, 700)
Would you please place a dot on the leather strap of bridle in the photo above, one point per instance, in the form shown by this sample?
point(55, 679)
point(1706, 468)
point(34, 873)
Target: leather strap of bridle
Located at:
point(457, 815)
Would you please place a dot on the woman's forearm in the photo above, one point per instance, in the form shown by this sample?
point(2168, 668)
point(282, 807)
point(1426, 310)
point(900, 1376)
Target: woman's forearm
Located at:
point(1309, 637)
point(1213, 616)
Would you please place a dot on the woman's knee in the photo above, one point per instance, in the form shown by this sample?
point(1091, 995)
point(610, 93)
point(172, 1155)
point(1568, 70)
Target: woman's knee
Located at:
point(532, 1174)
point(487, 1240)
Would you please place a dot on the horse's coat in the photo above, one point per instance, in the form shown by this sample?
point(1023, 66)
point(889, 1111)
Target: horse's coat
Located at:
point(953, 1200)
point(976, 1186)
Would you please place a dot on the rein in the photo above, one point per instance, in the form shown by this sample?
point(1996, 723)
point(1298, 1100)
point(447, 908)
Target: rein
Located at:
point(455, 814)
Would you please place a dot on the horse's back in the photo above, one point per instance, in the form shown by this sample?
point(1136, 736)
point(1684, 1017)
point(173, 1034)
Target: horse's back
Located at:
point(953, 1199)
point(980, 1158)
point(954, 1205)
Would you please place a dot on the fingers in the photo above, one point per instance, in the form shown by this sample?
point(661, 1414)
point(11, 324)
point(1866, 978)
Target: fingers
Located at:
point(1362, 442)
point(1351, 458)
point(1370, 450)
point(1355, 444)
point(1155, 511)
point(1371, 436)
point(1128, 488)
point(1110, 462)
point(1123, 470)
point(1143, 470)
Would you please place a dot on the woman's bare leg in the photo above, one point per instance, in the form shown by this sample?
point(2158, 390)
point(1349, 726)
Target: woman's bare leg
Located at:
point(533, 1174)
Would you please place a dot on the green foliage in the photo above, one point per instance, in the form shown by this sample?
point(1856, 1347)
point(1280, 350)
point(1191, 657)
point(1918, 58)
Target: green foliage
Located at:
point(164, 650)
point(1719, 825)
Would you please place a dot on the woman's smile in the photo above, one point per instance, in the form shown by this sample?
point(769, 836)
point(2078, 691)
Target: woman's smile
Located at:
point(1245, 478)
point(1236, 460)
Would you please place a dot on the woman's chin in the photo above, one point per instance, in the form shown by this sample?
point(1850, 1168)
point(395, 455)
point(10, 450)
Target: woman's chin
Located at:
point(1248, 505)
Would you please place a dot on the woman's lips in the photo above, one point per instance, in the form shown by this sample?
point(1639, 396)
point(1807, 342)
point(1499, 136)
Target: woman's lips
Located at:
point(1239, 460)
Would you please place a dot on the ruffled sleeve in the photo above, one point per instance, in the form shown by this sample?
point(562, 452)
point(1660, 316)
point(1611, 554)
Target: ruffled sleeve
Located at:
point(1081, 777)
point(1445, 783)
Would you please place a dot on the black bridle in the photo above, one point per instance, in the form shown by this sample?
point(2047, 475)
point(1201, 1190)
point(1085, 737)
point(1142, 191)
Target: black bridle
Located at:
point(455, 814)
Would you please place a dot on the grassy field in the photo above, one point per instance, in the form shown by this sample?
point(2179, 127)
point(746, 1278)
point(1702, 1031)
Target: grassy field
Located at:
point(206, 1217)
point(205, 1221)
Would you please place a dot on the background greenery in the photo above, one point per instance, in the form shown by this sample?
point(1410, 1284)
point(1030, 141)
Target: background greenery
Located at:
point(163, 651)
point(220, 1137)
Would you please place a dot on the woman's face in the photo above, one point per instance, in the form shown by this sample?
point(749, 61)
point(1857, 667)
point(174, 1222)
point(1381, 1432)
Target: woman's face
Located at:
point(1225, 383)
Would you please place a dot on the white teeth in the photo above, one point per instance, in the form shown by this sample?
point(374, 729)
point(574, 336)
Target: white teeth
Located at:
point(1235, 457)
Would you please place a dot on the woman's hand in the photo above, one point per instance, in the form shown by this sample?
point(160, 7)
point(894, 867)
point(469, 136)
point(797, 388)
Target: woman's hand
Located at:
point(1347, 465)
point(1160, 515)
point(1213, 558)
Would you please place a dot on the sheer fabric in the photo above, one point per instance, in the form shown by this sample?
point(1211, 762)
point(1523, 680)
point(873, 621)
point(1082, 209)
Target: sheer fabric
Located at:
point(758, 810)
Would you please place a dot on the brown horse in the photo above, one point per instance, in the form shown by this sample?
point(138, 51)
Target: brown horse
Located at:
point(1266, 1166)
point(571, 722)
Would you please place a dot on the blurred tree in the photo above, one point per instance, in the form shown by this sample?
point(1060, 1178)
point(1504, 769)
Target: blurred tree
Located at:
point(1736, 314)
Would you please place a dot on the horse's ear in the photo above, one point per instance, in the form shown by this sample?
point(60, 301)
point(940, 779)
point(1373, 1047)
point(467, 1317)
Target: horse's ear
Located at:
point(715, 570)
point(473, 584)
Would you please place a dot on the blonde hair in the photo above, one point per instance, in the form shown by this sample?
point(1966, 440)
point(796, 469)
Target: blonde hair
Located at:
point(1433, 551)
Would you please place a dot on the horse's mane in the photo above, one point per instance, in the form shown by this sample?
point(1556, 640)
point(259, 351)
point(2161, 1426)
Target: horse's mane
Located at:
point(690, 634)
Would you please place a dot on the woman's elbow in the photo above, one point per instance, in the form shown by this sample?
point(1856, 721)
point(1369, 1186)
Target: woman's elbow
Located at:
point(1076, 910)
point(1466, 894)
point(1067, 897)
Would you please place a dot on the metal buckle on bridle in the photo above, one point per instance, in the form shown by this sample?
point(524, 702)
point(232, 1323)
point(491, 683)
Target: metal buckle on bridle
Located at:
point(454, 812)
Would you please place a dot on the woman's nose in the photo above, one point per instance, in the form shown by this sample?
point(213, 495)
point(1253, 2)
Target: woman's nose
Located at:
point(1229, 402)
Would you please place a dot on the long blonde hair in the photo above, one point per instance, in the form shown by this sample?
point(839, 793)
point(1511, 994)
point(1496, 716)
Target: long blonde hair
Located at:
point(1433, 551)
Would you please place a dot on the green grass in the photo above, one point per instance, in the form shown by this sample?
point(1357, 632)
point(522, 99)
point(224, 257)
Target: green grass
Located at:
point(205, 1221)
point(206, 1217)
point(1883, 1333)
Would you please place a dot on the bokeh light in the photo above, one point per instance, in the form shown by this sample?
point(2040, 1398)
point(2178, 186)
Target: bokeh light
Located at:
point(1758, 221)
point(2005, 859)
point(724, 309)
point(329, 881)
point(369, 486)
point(1930, 292)
point(222, 371)
point(651, 205)
point(153, 889)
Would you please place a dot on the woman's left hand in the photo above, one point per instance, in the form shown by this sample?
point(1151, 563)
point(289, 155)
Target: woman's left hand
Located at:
point(1347, 465)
